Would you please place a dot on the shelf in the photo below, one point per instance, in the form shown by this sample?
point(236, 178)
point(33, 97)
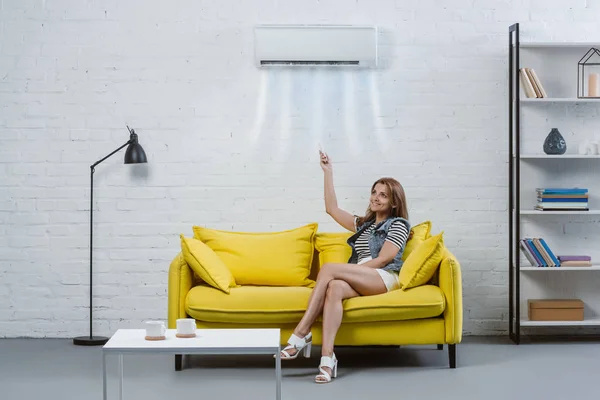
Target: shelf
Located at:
point(569, 156)
point(559, 100)
point(536, 212)
point(586, 322)
point(554, 59)
point(558, 44)
point(561, 269)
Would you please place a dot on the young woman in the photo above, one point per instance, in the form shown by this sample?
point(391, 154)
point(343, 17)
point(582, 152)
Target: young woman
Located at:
point(377, 247)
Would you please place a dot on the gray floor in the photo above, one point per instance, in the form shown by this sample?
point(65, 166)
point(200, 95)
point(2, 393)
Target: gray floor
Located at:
point(488, 368)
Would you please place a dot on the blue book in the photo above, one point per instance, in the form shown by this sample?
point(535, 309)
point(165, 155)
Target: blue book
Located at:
point(537, 253)
point(563, 200)
point(550, 253)
point(562, 190)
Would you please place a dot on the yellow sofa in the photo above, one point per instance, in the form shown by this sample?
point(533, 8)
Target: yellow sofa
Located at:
point(425, 315)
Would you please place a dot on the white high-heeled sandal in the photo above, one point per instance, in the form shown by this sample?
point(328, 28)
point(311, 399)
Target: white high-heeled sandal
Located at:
point(302, 345)
point(331, 363)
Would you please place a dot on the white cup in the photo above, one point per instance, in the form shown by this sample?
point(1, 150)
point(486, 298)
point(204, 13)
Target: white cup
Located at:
point(155, 329)
point(186, 326)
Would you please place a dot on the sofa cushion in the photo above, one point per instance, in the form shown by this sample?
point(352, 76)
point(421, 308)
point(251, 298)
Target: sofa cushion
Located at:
point(422, 263)
point(423, 302)
point(279, 305)
point(248, 304)
point(206, 264)
point(420, 233)
point(333, 247)
point(264, 258)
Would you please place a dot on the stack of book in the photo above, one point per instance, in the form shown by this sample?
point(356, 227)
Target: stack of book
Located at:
point(531, 83)
point(538, 253)
point(575, 261)
point(562, 199)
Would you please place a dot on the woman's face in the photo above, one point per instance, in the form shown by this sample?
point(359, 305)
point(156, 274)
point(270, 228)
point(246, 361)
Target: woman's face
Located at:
point(380, 199)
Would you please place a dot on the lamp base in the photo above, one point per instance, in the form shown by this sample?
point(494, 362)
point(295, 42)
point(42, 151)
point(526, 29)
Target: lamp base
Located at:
point(90, 341)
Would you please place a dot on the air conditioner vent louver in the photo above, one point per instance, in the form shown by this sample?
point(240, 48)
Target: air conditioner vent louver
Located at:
point(279, 62)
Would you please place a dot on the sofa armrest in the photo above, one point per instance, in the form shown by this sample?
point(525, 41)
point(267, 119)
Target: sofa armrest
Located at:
point(180, 282)
point(450, 281)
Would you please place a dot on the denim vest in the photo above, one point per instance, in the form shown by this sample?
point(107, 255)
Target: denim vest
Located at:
point(376, 241)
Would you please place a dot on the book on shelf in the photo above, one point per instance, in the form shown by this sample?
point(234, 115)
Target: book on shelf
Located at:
point(575, 260)
point(562, 196)
point(538, 253)
point(531, 83)
point(537, 83)
point(562, 191)
point(562, 199)
point(576, 263)
point(552, 208)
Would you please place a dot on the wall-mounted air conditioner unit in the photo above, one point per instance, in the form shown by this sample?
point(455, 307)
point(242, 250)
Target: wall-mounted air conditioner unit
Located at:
point(315, 45)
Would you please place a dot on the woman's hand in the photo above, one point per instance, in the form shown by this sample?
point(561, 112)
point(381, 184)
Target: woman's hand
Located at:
point(325, 162)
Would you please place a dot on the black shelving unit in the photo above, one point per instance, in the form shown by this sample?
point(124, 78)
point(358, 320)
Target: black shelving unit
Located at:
point(514, 195)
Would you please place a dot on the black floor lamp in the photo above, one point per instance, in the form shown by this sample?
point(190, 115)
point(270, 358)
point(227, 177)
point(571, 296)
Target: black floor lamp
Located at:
point(133, 155)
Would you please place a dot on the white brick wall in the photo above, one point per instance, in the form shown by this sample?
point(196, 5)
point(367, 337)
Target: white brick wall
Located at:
point(234, 147)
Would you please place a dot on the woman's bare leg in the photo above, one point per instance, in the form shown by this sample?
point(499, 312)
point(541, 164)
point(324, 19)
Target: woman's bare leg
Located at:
point(333, 310)
point(337, 291)
point(365, 280)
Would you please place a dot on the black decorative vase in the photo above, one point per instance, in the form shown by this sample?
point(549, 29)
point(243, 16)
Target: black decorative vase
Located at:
point(555, 143)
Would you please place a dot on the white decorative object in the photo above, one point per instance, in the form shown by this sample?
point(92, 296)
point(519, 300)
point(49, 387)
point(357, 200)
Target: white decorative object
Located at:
point(583, 147)
point(589, 148)
point(155, 330)
point(315, 45)
point(186, 327)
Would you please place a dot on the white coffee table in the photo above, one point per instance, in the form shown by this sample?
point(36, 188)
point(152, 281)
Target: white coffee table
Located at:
point(207, 341)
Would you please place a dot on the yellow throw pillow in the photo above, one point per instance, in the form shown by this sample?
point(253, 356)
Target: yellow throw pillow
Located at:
point(264, 258)
point(422, 263)
point(420, 233)
point(206, 264)
point(333, 247)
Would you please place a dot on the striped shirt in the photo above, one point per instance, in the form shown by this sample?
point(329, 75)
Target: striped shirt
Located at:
point(397, 234)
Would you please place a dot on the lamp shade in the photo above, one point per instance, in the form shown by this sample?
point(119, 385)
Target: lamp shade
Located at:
point(135, 153)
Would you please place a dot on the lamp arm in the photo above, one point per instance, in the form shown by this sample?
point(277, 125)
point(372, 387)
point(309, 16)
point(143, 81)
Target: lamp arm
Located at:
point(92, 169)
point(99, 161)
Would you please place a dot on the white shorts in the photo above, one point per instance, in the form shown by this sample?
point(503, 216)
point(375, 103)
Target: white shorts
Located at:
point(390, 279)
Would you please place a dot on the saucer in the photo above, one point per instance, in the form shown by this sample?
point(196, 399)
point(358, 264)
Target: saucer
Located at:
point(185, 335)
point(155, 337)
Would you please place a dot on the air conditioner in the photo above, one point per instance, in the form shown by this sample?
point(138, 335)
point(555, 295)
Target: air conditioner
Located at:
point(315, 45)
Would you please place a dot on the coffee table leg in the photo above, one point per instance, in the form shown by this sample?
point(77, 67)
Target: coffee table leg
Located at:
point(120, 376)
point(104, 375)
point(278, 375)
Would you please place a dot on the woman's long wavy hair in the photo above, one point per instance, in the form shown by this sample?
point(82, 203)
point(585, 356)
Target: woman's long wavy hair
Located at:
point(397, 201)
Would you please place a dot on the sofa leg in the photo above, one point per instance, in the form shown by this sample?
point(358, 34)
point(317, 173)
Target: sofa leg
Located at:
point(452, 355)
point(178, 362)
point(440, 347)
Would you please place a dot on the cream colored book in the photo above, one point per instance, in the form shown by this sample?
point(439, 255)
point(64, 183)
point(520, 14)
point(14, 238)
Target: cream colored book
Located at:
point(537, 82)
point(576, 263)
point(542, 250)
point(538, 93)
point(526, 84)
